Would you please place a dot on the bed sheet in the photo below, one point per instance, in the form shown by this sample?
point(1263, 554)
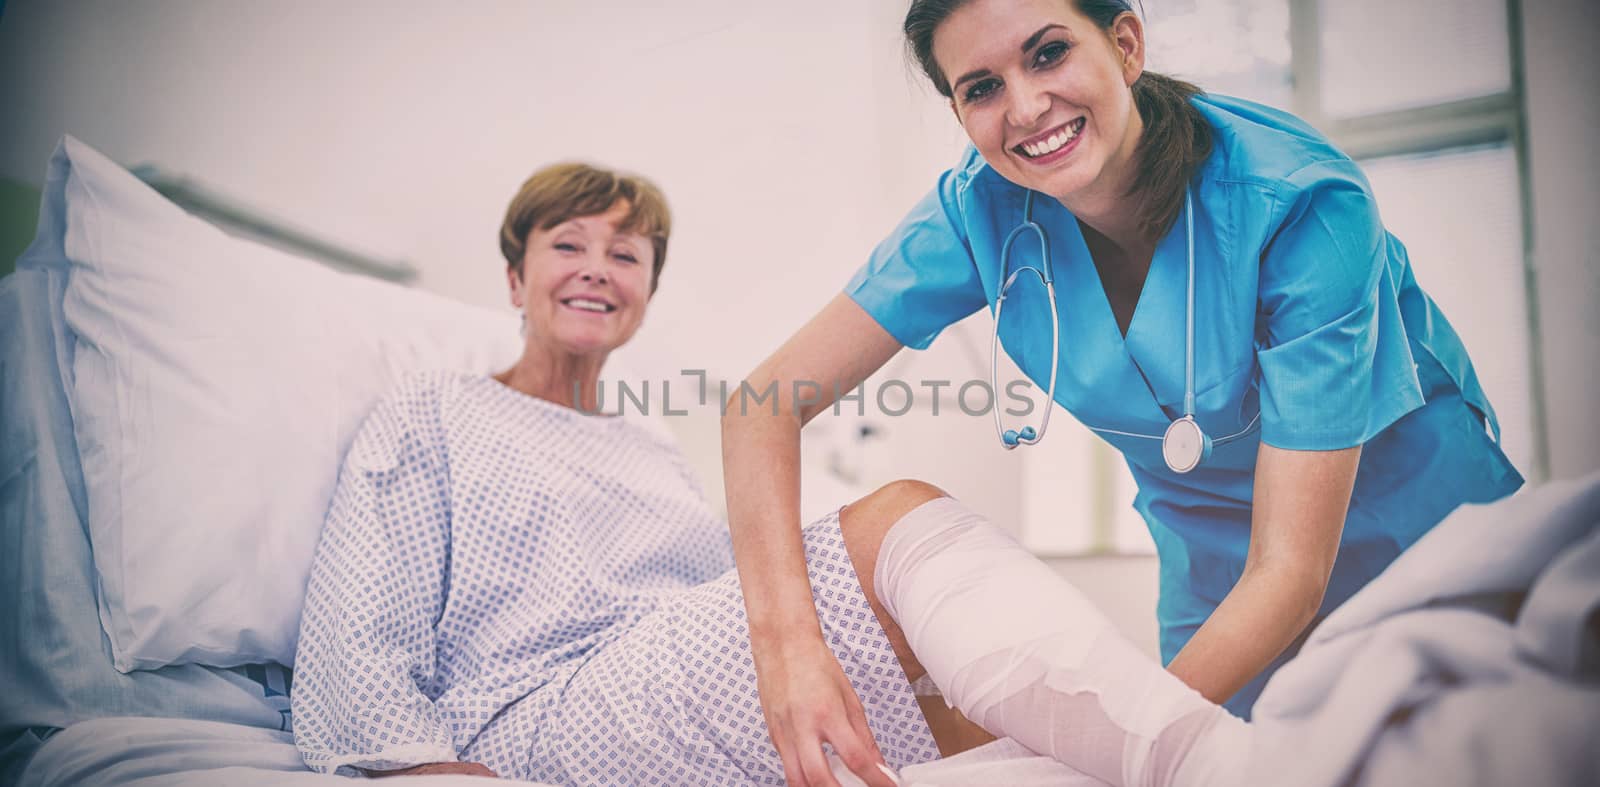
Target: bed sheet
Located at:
point(143, 752)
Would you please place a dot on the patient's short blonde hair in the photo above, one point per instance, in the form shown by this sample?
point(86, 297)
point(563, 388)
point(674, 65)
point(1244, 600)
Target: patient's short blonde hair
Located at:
point(566, 191)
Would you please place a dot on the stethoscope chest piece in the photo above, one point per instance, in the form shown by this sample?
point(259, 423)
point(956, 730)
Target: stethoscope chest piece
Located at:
point(1185, 445)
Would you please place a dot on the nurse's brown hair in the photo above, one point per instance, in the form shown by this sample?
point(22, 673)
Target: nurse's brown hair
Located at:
point(567, 191)
point(1176, 136)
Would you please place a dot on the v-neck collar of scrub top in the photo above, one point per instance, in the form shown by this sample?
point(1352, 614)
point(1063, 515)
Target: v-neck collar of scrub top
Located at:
point(1108, 380)
point(1158, 315)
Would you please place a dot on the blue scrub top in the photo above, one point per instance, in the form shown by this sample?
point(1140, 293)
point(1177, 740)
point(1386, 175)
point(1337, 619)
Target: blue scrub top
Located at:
point(1306, 313)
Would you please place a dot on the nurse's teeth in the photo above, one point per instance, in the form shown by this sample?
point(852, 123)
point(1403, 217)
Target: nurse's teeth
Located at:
point(1054, 143)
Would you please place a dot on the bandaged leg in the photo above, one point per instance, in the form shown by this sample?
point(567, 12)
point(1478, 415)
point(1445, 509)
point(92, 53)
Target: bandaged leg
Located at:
point(1023, 654)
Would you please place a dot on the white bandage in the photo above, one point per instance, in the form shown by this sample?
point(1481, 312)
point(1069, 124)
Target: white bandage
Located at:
point(1023, 654)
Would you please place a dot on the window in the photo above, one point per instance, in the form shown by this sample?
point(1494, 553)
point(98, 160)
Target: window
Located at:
point(1459, 215)
point(1382, 56)
point(1424, 95)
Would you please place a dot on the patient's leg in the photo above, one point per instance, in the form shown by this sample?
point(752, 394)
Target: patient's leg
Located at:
point(1024, 654)
point(864, 524)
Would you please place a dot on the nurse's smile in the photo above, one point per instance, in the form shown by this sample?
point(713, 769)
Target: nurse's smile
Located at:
point(1053, 145)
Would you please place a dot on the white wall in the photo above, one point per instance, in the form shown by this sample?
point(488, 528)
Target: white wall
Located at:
point(407, 127)
point(787, 139)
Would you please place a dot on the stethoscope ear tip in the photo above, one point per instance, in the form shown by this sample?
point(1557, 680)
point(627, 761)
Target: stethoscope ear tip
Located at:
point(1009, 438)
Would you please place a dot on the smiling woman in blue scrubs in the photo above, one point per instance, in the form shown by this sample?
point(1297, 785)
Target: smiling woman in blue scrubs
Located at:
point(1354, 417)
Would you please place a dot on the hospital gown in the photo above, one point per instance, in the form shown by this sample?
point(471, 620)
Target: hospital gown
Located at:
point(508, 581)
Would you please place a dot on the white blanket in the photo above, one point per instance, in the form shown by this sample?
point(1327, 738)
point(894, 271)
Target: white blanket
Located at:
point(1470, 661)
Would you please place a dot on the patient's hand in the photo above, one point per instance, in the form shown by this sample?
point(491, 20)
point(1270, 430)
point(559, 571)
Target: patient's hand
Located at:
point(463, 768)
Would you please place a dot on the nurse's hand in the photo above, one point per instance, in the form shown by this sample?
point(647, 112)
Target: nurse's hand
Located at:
point(808, 701)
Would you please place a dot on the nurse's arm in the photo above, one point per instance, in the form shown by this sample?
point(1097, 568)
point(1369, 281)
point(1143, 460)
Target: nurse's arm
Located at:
point(831, 354)
point(1301, 498)
point(803, 690)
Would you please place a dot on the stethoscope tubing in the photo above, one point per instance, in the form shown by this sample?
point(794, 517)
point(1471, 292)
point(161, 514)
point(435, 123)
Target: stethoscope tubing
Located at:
point(1045, 271)
point(1046, 274)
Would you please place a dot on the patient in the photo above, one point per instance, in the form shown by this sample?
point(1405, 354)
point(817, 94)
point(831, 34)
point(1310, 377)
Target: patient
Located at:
point(509, 584)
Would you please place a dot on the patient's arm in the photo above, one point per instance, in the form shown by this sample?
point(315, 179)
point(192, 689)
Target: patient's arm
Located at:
point(367, 642)
point(463, 768)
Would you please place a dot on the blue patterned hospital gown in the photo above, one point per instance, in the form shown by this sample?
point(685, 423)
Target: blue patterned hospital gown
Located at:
point(508, 581)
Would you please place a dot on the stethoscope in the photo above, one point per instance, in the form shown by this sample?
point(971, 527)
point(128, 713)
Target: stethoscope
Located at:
point(1184, 445)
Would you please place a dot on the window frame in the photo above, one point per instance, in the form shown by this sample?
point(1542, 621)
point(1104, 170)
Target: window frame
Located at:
point(1498, 118)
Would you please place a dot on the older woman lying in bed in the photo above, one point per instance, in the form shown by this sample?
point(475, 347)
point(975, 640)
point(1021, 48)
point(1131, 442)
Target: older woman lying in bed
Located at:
point(508, 584)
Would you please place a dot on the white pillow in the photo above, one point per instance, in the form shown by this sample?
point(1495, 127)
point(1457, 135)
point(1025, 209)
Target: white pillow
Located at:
point(216, 385)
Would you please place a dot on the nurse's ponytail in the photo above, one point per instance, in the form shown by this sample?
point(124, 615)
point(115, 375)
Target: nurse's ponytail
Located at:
point(1176, 140)
point(1176, 137)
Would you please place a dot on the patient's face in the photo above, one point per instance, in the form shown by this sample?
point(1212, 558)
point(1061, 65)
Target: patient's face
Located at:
point(585, 283)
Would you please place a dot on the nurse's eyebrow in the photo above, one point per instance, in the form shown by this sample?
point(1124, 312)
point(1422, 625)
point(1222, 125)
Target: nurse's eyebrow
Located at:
point(1033, 40)
point(1027, 45)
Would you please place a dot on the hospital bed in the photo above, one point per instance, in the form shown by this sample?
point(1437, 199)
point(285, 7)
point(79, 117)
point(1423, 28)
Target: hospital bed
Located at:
point(174, 405)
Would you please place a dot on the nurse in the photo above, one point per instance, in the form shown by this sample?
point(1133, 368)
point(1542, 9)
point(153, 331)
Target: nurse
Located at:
point(1345, 415)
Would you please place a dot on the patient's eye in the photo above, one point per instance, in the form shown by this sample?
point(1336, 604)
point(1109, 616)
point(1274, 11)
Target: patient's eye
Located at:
point(625, 256)
point(568, 247)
